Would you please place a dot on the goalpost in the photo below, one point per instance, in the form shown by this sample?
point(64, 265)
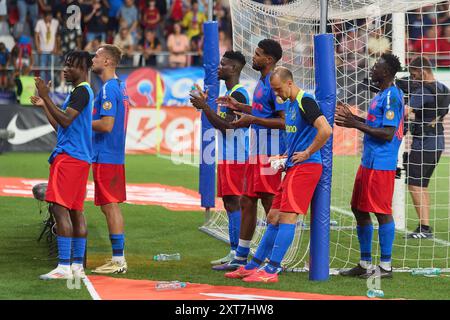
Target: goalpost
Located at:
point(363, 30)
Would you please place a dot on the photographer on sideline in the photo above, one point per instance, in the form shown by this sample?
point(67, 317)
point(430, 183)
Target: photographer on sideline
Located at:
point(429, 102)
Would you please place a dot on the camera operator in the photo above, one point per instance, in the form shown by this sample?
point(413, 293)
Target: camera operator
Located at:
point(428, 104)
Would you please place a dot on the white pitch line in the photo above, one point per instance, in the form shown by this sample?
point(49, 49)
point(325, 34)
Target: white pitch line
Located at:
point(91, 289)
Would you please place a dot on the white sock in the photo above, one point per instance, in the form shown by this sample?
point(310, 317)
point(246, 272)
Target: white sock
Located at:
point(365, 264)
point(77, 266)
point(119, 259)
point(244, 243)
point(386, 265)
point(64, 267)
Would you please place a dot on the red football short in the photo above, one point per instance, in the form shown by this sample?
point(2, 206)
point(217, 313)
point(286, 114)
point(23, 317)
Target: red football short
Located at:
point(230, 179)
point(67, 182)
point(373, 190)
point(297, 189)
point(109, 182)
point(260, 177)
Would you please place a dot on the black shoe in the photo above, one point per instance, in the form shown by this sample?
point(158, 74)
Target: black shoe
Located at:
point(354, 272)
point(420, 233)
point(378, 272)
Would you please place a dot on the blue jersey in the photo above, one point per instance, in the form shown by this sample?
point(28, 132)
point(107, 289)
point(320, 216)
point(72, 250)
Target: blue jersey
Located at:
point(234, 143)
point(76, 139)
point(111, 101)
point(300, 131)
point(265, 141)
point(385, 109)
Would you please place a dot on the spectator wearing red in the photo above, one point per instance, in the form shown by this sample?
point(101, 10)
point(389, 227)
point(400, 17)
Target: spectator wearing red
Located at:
point(151, 17)
point(444, 47)
point(428, 44)
point(176, 10)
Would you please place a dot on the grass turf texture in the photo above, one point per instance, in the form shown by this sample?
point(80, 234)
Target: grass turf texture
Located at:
point(149, 230)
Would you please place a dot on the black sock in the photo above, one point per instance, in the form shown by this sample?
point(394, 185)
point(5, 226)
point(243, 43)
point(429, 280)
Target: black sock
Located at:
point(424, 227)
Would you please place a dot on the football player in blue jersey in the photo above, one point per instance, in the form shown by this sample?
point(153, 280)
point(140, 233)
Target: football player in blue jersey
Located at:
point(374, 182)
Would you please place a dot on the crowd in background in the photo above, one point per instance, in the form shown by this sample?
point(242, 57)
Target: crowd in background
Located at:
point(36, 34)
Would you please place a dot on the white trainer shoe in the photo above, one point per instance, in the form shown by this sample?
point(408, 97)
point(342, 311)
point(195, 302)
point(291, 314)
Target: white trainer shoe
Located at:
point(60, 272)
point(228, 258)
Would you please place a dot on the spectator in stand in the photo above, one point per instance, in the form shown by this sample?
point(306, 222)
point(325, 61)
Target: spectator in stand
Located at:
point(223, 20)
point(176, 14)
point(176, 11)
point(3, 8)
point(444, 47)
point(197, 49)
point(224, 43)
point(96, 20)
point(178, 45)
point(149, 45)
point(22, 55)
point(4, 62)
point(45, 41)
point(193, 21)
point(94, 45)
point(443, 14)
point(427, 45)
point(125, 42)
point(418, 24)
point(129, 13)
point(114, 7)
point(29, 7)
point(351, 49)
point(151, 17)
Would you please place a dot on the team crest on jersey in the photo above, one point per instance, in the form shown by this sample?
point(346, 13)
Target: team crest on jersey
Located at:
point(107, 105)
point(390, 115)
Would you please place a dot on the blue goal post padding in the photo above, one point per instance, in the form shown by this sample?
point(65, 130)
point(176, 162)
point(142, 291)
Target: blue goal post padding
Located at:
point(325, 75)
point(207, 172)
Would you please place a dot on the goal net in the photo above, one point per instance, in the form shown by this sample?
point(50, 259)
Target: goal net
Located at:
point(363, 30)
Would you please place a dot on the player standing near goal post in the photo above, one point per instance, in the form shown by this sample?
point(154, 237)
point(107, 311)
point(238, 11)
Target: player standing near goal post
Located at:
point(307, 130)
point(267, 117)
point(69, 163)
point(233, 145)
point(109, 126)
point(374, 182)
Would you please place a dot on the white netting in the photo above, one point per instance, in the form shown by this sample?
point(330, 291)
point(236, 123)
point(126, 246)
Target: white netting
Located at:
point(363, 31)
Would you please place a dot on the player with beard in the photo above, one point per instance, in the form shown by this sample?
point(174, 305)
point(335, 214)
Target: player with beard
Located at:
point(265, 117)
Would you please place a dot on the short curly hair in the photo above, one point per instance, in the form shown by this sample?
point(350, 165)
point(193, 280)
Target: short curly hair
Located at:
point(392, 62)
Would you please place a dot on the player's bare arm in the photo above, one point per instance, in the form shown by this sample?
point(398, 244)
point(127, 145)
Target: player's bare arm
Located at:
point(233, 104)
point(345, 118)
point(39, 102)
point(105, 124)
point(217, 122)
point(273, 123)
point(324, 131)
point(64, 119)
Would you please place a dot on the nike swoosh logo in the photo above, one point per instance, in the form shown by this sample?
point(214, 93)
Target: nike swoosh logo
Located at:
point(26, 135)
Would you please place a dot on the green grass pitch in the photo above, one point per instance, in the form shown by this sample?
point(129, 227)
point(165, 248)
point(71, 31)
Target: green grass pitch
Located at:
point(153, 229)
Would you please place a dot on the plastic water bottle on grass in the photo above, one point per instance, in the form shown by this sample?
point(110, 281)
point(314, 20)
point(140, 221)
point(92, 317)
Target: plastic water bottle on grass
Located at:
point(169, 285)
point(167, 257)
point(375, 293)
point(426, 272)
